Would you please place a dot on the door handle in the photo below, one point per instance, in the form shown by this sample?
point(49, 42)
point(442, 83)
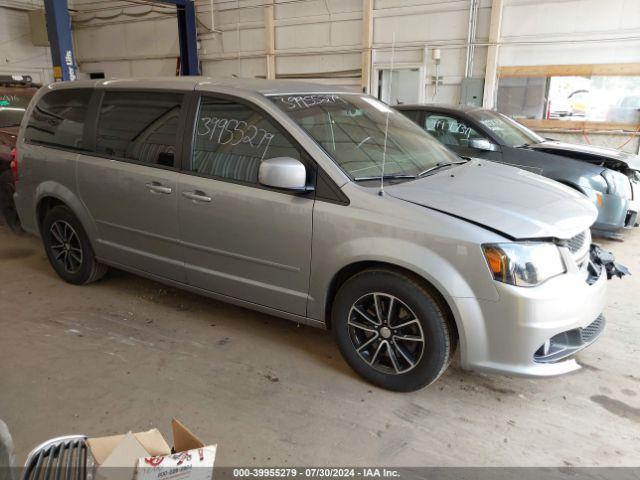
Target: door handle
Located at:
point(197, 196)
point(157, 187)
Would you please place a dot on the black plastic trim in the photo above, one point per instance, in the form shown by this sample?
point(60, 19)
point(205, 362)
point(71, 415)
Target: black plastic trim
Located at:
point(328, 191)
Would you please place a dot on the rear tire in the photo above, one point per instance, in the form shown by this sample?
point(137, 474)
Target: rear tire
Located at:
point(68, 248)
point(384, 311)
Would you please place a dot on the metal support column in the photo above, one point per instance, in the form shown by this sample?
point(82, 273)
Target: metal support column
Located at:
point(491, 72)
point(270, 39)
point(59, 31)
point(187, 34)
point(367, 45)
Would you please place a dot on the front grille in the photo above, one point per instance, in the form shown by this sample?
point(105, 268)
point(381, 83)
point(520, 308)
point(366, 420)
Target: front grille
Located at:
point(591, 331)
point(59, 458)
point(575, 244)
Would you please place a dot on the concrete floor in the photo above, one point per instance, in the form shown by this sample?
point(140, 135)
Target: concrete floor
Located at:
point(129, 354)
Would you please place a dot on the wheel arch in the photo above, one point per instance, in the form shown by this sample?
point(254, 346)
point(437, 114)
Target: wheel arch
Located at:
point(51, 194)
point(44, 205)
point(352, 269)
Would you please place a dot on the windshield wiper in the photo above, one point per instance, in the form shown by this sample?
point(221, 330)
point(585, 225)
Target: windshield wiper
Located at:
point(386, 177)
point(10, 125)
point(438, 166)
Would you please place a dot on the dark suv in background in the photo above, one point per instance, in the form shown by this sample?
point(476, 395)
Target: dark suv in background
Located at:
point(15, 94)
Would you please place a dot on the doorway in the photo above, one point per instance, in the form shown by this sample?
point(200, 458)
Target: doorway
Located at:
point(400, 86)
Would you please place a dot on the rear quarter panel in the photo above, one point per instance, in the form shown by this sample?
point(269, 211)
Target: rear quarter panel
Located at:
point(46, 172)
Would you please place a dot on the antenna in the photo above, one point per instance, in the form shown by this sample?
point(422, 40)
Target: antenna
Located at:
point(386, 127)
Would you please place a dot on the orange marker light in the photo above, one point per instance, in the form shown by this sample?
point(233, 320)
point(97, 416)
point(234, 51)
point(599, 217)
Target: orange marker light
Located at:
point(495, 260)
point(599, 197)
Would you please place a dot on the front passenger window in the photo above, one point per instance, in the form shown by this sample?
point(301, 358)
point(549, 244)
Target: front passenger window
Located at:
point(232, 139)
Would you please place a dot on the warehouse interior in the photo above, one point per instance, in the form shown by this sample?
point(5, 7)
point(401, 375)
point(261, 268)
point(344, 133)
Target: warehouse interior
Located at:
point(334, 42)
point(127, 354)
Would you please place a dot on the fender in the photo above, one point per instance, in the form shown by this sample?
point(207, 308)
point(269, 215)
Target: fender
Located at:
point(421, 261)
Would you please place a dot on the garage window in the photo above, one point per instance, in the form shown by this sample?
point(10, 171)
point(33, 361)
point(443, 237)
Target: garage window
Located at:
point(139, 126)
point(232, 139)
point(58, 119)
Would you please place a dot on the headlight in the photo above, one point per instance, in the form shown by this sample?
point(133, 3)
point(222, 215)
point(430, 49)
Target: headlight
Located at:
point(525, 264)
point(617, 183)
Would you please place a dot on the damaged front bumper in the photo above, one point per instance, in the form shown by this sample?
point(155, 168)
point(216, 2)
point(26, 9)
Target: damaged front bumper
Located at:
point(567, 343)
point(537, 331)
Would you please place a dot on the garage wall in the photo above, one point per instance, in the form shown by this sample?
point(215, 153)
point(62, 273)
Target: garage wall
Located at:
point(558, 32)
point(322, 39)
point(313, 39)
point(124, 40)
point(17, 54)
point(420, 27)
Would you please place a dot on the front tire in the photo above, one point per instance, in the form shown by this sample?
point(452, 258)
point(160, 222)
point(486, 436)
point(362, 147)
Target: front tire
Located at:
point(392, 330)
point(68, 248)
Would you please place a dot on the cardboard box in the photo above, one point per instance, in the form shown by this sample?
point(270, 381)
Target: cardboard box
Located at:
point(147, 456)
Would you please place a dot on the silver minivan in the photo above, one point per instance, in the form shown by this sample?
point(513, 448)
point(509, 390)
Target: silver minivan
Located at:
point(322, 206)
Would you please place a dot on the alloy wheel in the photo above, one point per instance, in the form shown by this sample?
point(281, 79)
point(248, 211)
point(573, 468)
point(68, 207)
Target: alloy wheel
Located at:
point(386, 333)
point(66, 246)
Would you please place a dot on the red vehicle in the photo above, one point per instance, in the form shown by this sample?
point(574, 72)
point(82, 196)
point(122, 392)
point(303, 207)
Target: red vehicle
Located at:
point(15, 95)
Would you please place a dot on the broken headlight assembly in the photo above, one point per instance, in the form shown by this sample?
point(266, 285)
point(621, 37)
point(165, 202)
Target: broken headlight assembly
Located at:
point(617, 184)
point(524, 264)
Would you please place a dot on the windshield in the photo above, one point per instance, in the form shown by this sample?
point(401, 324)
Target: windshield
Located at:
point(351, 129)
point(509, 131)
point(12, 108)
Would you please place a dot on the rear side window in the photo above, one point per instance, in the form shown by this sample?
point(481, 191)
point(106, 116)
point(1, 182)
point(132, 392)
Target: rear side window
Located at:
point(58, 119)
point(139, 126)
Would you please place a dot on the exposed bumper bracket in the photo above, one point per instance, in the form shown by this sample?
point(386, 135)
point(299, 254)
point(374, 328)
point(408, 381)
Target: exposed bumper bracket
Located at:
point(600, 259)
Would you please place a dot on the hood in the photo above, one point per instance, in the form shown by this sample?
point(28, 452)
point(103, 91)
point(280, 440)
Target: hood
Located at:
point(509, 200)
point(630, 160)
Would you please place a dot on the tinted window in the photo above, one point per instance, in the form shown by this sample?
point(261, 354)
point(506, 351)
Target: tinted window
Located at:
point(412, 114)
point(232, 139)
point(139, 126)
point(450, 130)
point(58, 119)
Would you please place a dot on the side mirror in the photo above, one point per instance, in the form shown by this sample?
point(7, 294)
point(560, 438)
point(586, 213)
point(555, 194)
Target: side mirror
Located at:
point(283, 172)
point(482, 144)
